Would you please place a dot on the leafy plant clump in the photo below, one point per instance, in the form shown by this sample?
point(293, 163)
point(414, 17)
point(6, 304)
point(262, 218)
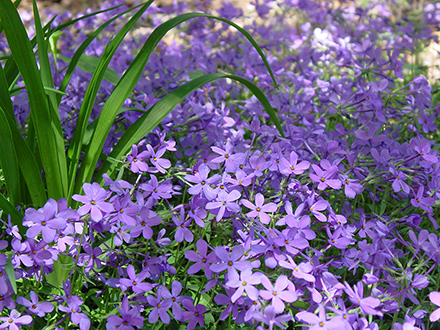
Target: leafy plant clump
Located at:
point(279, 175)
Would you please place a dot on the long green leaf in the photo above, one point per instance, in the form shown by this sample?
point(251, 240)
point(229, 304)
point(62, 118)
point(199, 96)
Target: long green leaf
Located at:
point(49, 139)
point(164, 106)
point(90, 97)
point(11, 275)
point(126, 85)
point(8, 160)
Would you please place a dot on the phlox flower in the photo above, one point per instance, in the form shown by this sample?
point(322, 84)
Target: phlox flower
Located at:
point(173, 298)
point(202, 260)
point(75, 316)
point(259, 210)
point(399, 181)
point(155, 158)
point(225, 201)
point(244, 283)
point(46, 220)
point(182, 231)
point(291, 166)
point(14, 320)
point(160, 309)
point(434, 296)
point(230, 262)
point(283, 290)
point(320, 322)
point(203, 182)
point(135, 282)
point(137, 160)
point(325, 178)
point(194, 314)
point(94, 201)
point(130, 318)
point(269, 317)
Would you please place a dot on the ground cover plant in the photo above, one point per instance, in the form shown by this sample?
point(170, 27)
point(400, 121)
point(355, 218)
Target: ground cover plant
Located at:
point(281, 175)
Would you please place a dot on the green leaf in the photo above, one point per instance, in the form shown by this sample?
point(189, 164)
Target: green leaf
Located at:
point(61, 270)
point(28, 165)
point(9, 161)
point(164, 106)
point(74, 151)
point(89, 64)
point(49, 139)
point(11, 275)
point(128, 82)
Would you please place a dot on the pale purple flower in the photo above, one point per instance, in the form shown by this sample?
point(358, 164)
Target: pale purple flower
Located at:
point(194, 314)
point(155, 158)
point(135, 282)
point(45, 220)
point(160, 309)
point(203, 182)
point(283, 290)
point(202, 260)
point(324, 178)
point(259, 210)
point(14, 320)
point(320, 322)
point(270, 317)
point(244, 283)
point(75, 316)
point(137, 160)
point(399, 181)
point(356, 296)
point(230, 262)
point(156, 190)
point(226, 156)
point(423, 202)
point(182, 231)
point(225, 201)
point(130, 318)
point(94, 201)
point(291, 166)
point(90, 258)
point(173, 298)
point(434, 296)
point(301, 271)
point(145, 220)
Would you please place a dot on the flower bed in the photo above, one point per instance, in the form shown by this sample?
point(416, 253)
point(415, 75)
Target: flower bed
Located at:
point(313, 202)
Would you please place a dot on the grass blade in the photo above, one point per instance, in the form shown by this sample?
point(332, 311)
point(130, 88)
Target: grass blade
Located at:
point(8, 160)
point(89, 100)
point(164, 106)
point(48, 136)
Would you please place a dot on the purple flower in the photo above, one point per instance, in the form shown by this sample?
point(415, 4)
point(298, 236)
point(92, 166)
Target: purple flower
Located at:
point(159, 163)
point(356, 296)
point(130, 318)
point(259, 210)
point(160, 309)
point(434, 296)
point(156, 190)
point(197, 211)
point(423, 202)
point(299, 271)
point(321, 322)
point(324, 178)
point(270, 317)
point(182, 231)
point(277, 293)
point(14, 320)
point(135, 282)
point(75, 316)
point(292, 166)
point(90, 257)
point(173, 298)
point(126, 210)
point(137, 160)
point(226, 156)
point(203, 182)
point(194, 314)
point(231, 262)
point(225, 201)
point(146, 219)
point(221, 299)
point(316, 209)
point(398, 183)
point(45, 220)
point(244, 283)
point(94, 201)
point(201, 260)
point(352, 187)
